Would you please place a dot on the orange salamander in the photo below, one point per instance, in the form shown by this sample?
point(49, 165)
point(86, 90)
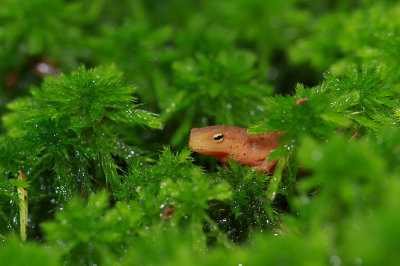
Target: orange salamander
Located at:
point(224, 142)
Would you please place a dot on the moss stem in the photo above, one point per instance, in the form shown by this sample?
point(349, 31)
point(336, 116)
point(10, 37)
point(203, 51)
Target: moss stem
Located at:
point(23, 207)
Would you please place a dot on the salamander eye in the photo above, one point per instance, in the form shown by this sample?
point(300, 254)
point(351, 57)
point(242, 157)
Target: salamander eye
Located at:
point(218, 137)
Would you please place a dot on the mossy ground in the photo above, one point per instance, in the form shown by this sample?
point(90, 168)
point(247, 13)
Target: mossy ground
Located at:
point(97, 101)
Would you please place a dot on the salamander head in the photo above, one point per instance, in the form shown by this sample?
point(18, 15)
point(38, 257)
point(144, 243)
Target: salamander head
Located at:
point(214, 140)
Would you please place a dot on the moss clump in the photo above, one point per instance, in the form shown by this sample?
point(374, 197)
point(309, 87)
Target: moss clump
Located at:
point(111, 182)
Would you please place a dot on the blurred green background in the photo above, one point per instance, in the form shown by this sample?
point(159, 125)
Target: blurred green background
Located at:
point(103, 145)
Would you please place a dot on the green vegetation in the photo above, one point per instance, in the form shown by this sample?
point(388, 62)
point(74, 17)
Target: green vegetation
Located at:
point(97, 100)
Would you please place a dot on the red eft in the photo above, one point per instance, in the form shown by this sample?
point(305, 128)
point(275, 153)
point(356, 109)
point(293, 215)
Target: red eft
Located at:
point(224, 142)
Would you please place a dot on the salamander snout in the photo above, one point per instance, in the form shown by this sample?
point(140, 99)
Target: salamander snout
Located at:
point(194, 139)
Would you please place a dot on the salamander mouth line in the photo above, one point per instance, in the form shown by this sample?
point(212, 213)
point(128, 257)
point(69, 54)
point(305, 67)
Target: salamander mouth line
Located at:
point(194, 148)
point(198, 148)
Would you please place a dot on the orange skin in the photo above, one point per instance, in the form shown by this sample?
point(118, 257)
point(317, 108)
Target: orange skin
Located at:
point(224, 142)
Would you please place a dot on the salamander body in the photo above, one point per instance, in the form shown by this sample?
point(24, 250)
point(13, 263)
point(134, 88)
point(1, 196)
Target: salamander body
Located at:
point(224, 142)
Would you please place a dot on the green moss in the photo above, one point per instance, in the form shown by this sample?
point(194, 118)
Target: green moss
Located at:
point(105, 188)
